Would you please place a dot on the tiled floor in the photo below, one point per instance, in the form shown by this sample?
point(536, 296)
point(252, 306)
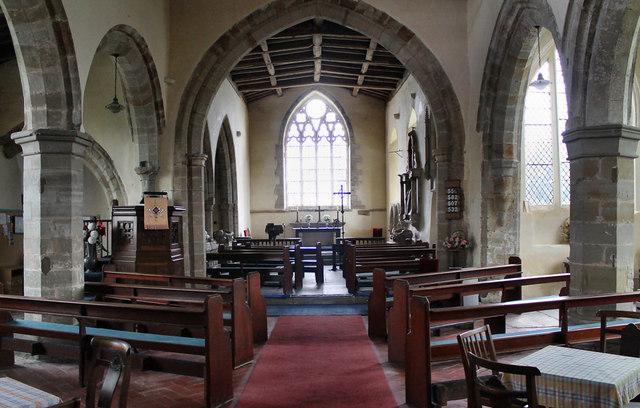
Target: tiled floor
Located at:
point(152, 389)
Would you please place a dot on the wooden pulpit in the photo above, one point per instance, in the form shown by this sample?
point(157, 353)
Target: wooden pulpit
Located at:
point(147, 250)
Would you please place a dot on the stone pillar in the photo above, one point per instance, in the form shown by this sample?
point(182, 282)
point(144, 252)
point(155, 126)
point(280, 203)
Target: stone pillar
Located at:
point(195, 214)
point(53, 203)
point(442, 162)
point(147, 175)
point(602, 210)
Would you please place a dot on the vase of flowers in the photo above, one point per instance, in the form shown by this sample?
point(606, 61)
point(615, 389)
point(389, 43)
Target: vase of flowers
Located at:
point(457, 240)
point(308, 218)
point(565, 230)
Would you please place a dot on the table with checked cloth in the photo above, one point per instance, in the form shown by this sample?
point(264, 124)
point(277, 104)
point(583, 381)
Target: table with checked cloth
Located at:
point(14, 394)
point(580, 378)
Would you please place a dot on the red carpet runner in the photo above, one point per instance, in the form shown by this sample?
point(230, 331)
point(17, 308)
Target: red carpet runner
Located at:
point(318, 361)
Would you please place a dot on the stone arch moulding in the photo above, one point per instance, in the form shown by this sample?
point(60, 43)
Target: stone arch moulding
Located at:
point(142, 96)
point(353, 148)
point(52, 97)
point(500, 121)
point(600, 45)
point(218, 60)
point(98, 161)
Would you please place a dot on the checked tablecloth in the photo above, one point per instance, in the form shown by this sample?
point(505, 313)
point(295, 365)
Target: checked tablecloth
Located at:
point(580, 378)
point(14, 394)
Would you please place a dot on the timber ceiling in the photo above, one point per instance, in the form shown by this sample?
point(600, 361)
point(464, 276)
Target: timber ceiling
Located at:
point(318, 52)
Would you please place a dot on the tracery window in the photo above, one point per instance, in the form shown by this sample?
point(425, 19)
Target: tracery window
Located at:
point(545, 154)
point(316, 153)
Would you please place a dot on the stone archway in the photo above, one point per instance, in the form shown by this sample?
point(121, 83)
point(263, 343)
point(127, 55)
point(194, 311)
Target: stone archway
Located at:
point(51, 87)
point(98, 161)
point(391, 34)
point(142, 96)
point(601, 47)
point(500, 121)
point(226, 185)
point(52, 147)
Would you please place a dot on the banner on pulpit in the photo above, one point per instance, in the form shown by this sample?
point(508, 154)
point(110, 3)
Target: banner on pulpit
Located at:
point(156, 214)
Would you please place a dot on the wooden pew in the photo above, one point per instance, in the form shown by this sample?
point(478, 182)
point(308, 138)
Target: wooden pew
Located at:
point(421, 350)
point(304, 263)
point(510, 288)
point(238, 319)
point(264, 242)
point(215, 346)
point(254, 297)
point(389, 257)
point(337, 249)
point(265, 260)
point(379, 301)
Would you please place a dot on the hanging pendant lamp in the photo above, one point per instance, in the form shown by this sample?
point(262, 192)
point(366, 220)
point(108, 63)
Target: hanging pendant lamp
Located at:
point(115, 106)
point(539, 83)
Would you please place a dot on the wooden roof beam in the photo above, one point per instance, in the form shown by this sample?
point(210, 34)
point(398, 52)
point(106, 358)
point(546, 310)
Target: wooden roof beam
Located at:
point(373, 44)
point(325, 82)
point(317, 55)
point(270, 68)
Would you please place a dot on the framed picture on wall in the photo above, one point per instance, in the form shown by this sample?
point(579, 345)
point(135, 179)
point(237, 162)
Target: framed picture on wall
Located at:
point(18, 224)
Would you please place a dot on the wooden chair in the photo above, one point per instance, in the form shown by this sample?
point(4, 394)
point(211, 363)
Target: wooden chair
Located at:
point(629, 335)
point(114, 356)
point(494, 391)
point(479, 342)
point(72, 403)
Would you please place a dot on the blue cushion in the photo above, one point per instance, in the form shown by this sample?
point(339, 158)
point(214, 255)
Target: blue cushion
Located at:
point(120, 334)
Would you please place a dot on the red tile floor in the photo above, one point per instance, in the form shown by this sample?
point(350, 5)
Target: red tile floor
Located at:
point(152, 389)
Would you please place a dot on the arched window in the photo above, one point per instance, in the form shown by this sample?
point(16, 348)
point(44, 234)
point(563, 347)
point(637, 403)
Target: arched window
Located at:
point(545, 155)
point(316, 151)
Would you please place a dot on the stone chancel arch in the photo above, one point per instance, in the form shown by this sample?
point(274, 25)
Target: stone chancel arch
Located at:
point(396, 38)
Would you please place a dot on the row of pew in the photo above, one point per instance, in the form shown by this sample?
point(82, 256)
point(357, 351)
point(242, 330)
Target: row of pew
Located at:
point(409, 310)
point(218, 319)
point(282, 266)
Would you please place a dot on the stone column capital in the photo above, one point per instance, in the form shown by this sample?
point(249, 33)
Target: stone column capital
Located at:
point(612, 140)
point(52, 141)
point(197, 159)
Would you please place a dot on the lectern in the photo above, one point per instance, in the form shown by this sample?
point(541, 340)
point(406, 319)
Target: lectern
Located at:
point(147, 250)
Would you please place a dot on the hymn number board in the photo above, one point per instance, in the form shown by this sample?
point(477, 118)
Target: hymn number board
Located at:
point(454, 199)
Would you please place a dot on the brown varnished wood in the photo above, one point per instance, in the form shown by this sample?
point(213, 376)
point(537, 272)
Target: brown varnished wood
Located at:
point(383, 285)
point(423, 317)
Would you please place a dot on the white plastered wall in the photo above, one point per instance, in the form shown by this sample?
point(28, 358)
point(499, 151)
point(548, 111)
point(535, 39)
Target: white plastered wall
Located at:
point(366, 115)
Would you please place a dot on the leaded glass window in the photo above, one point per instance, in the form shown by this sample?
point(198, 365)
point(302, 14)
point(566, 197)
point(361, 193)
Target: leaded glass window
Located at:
point(316, 155)
point(545, 155)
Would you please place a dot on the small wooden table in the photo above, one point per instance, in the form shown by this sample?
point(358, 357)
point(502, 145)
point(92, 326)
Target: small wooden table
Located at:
point(14, 394)
point(580, 378)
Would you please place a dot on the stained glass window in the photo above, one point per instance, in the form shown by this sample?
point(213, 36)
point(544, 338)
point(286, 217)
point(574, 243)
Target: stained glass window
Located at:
point(316, 155)
point(545, 155)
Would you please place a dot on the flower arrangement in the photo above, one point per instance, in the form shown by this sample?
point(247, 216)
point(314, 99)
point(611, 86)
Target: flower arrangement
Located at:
point(92, 232)
point(457, 240)
point(565, 230)
point(326, 218)
point(308, 218)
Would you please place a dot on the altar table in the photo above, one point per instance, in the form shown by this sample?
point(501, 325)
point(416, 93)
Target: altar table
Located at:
point(580, 378)
point(310, 236)
point(14, 394)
